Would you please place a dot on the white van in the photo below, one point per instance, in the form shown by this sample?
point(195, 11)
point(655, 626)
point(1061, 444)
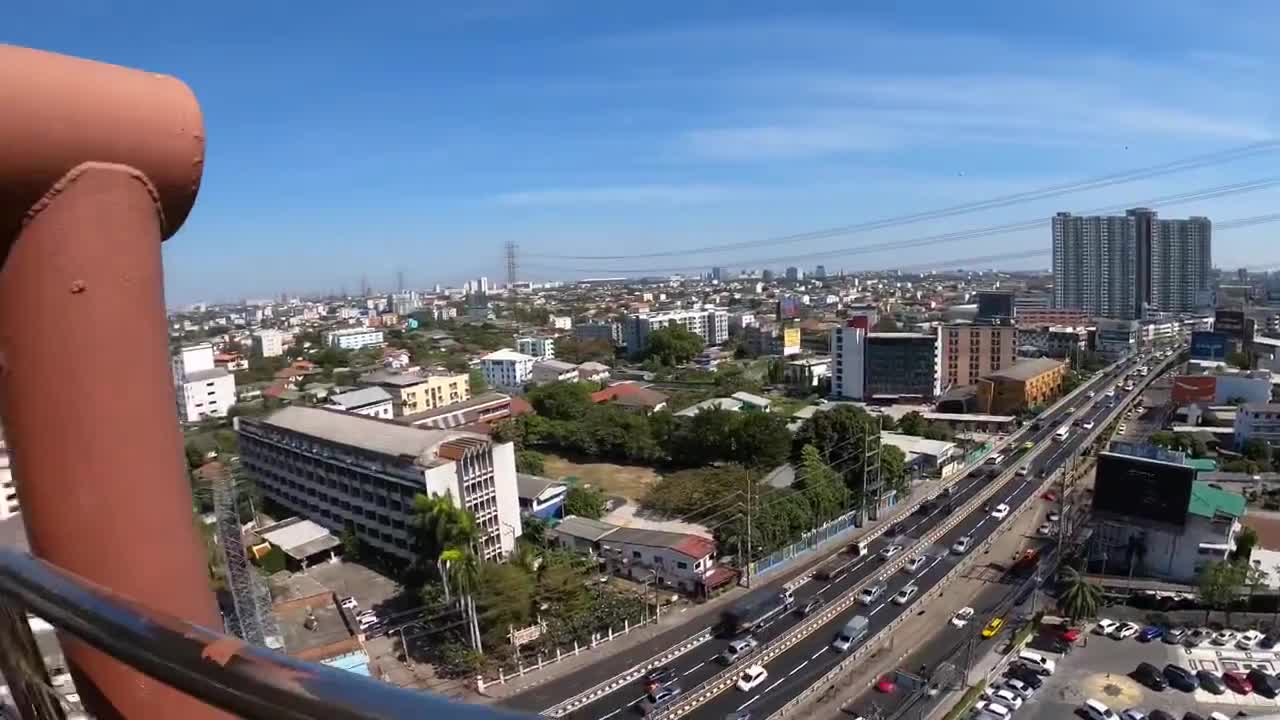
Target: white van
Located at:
point(1097, 711)
point(1037, 662)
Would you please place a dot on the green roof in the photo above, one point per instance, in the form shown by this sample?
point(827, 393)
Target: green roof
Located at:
point(1204, 464)
point(1210, 502)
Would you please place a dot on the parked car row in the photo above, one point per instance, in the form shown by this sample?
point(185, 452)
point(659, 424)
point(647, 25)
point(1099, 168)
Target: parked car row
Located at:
point(1189, 637)
point(1255, 680)
point(1022, 679)
point(1095, 710)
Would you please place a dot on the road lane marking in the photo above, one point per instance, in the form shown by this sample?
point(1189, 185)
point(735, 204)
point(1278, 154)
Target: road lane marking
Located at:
point(798, 667)
point(776, 684)
point(873, 612)
point(633, 702)
point(744, 705)
point(695, 667)
point(615, 712)
point(815, 655)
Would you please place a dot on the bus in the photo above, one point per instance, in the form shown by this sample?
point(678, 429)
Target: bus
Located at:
point(1062, 433)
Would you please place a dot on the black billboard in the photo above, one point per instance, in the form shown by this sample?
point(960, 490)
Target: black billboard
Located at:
point(1143, 488)
point(1229, 323)
point(994, 305)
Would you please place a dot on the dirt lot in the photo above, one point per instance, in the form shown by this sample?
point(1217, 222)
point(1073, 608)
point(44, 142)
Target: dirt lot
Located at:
point(628, 481)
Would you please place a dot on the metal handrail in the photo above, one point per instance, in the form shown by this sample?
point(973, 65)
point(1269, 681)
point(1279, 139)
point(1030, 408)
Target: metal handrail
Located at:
point(222, 671)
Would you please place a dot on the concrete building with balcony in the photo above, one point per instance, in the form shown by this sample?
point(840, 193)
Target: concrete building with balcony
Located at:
point(807, 374)
point(607, 331)
point(353, 338)
point(1115, 339)
point(370, 401)
point(507, 369)
point(350, 472)
point(1026, 384)
point(848, 353)
point(415, 392)
point(1258, 421)
point(537, 347)
point(268, 343)
point(711, 324)
point(1055, 341)
point(1040, 317)
point(473, 414)
point(203, 390)
point(971, 351)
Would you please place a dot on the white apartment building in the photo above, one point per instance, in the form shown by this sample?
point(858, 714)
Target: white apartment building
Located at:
point(353, 338)
point(268, 343)
point(848, 359)
point(562, 322)
point(1258, 421)
point(370, 401)
point(507, 369)
point(540, 348)
point(349, 472)
point(711, 323)
point(549, 371)
point(203, 390)
point(8, 488)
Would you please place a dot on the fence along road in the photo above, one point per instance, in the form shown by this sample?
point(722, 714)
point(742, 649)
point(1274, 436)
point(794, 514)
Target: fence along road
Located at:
point(796, 661)
point(695, 663)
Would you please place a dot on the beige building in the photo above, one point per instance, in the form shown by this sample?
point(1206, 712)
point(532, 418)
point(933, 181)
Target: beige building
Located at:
point(415, 392)
point(971, 351)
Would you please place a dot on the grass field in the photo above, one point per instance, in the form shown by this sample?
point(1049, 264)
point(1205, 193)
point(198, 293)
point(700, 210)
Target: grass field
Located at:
point(629, 481)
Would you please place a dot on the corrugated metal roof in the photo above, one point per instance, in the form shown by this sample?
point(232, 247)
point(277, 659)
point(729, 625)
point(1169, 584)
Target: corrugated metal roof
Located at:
point(1208, 501)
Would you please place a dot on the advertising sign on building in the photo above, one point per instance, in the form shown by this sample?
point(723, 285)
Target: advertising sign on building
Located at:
point(788, 307)
point(1209, 346)
point(1189, 389)
point(791, 340)
point(1143, 488)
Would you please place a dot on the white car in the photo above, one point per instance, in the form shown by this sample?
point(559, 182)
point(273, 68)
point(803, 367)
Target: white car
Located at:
point(1132, 714)
point(1105, 626)
point(1045, 529)
point(739, 649)
point(368, 621)
point(1249, 639)
point(1095, 710)
point(1004, 697)
point(890, 551)
point(962, 617)
point(752, 677)
point(1224, 637)
point(1124, 630)
point(1018, 688)
point(914, 564)
point(1000, 511)
point(1092, 393)
point(349, 603)
point(905, 594)
point(961, 546)
point(992, 708)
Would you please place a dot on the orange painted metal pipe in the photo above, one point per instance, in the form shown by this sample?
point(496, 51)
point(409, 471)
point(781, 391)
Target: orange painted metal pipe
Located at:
point(98, 165)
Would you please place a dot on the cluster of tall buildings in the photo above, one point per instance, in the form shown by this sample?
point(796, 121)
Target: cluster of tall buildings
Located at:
point(1129, 266)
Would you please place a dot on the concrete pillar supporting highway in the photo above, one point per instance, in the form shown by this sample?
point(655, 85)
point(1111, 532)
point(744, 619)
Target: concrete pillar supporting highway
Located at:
point(98, 165)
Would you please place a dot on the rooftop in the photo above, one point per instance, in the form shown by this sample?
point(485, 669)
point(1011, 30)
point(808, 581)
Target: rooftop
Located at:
point(585, 528)
point(299, 538)
point(1027, 369)
point(372, 434)
point(556, 365)
point(531, 486)
point(507, 354)
point(202, 375)
point(1209, 502)
point(917, 445)
point(360, 398)
point(489, 398)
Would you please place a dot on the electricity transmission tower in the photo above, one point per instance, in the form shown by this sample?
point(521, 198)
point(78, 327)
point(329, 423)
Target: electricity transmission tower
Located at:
point(251, 618)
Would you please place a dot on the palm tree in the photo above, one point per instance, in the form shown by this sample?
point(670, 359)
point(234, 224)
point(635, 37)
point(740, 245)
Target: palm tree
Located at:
point(463, 568)
point(1080, 598)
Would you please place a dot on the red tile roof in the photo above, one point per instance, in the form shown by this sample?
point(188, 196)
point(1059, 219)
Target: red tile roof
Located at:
point(631, 394)
point(695, 546)
point(520, 406)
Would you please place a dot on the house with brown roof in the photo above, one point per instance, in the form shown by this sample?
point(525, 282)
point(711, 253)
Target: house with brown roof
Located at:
point(680, 561)
point(631, 396)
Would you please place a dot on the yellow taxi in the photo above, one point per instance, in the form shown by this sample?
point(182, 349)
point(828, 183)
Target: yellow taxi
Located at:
point(993, 628)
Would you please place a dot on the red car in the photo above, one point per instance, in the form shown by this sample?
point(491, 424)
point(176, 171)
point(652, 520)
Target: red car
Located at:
point(1050, 495)
point(1070, 635)
point(886, 685)
point(1237, 682)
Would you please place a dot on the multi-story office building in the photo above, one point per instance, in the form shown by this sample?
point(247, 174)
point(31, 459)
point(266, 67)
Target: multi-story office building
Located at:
point(1027, 384)
point(203, 390)
point(994, 305)
point(1258, 421)
point(970, 351)
point(1039, 317)
point(353, 338)
point(1031, 301)
point(900, 363)
point(1123, 267)
point(268, 343)
point(609, 331)
point(1115, 339)
point(794, 274)
point(507, 369)
point(848, 356)
point(8, 488)
point(415, 392)
point(711, 324)
point(351, 472)
point(1055, 341)
point(537, 347)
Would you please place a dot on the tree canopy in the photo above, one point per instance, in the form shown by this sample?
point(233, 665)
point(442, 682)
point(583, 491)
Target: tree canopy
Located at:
point(673, 345)
point(587, 502)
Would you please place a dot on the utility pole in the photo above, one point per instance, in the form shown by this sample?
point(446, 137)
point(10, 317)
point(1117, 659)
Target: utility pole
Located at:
point(747, 558)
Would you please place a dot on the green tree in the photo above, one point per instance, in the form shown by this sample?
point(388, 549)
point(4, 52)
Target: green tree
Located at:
point(1246, 541)
point(1080, 598)
point(913, 423)
point(504, 598)
point(577, 351)
point(351, 545)
point(843, 435)
point(1257, 450)
point(893, 471)
point(584, 502)
point(478, 382)
point(777, 371)
point(760, 440)
point(1219, 585)
point(531, 462)
point(673, 345)
point(1240, 360)
point(827, 494)
point(561, 400)
point(195, 457)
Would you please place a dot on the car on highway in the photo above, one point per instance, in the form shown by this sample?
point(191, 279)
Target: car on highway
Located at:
point(1210, 682)
point(1264, 683)
point(659, 677)
point(852, 632)
point(1006, 698)
point(961, 546)
point(752, 677)
point(1249, 639)
point(1045, 530)
point(810, 606)
point(659, 699)
point(993, 627)
point(1023, 470)
point(1095, 710)
point(1053, 516)
point(1223, 637)
point(1000, 511)
point(739, 649)
point(962, 617)
point(913, 564)
point(1091, 393)
point(904, 595)
point(1237, 682)
point(896, 530)
point(871, 593)
point(1123, 630)
point(889, 552)
point(1180, 677)
point(1174, 636)
point(1087, 425)
point(1150, 675)
point(1150, 632)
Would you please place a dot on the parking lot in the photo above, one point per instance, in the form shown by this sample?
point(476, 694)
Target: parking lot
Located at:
point(1099, 667)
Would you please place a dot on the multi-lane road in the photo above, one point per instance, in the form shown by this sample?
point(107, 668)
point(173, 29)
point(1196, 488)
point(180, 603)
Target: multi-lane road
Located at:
point(806, 661)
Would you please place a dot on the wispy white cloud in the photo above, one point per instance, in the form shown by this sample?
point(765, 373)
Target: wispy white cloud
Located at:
point(634, 195)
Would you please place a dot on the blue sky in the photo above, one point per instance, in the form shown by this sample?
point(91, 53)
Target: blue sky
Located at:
point(359, 139)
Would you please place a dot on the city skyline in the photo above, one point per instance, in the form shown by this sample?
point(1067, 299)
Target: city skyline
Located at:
point(411, 147)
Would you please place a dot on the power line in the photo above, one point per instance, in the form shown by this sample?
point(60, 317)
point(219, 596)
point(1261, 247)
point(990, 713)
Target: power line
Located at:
point(1049, 192)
